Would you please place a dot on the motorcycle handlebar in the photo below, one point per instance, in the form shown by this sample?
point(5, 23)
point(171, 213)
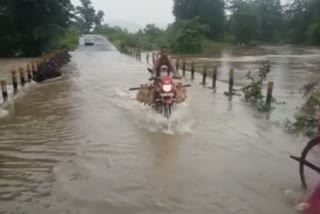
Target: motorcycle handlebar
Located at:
point(154, 78)
point(138, 88)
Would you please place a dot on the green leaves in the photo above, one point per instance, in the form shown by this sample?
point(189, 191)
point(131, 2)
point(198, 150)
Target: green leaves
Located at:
point(253, 91)
point(255, 20)
point(29, 26)
point(269, 21)
point(306, 118)
point(150, 38)
point(87, 18)
point(313, 33)
point(209, 13)
point(189, 37)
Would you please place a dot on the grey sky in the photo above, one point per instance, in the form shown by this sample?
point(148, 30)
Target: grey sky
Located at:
point(136, 11)
point(140, 12)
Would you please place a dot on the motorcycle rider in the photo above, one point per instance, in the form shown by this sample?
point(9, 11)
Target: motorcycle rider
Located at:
point(162, 60)
point(162, 64)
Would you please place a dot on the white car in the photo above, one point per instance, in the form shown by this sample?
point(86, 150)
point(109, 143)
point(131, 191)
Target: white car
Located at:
point(89, 40)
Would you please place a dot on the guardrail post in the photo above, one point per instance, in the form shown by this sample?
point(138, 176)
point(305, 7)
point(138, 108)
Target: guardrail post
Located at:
point(214, 77)
point(14, 81)
point(184, 67)
point(4, 90)
point(204, 75)
point(269, 93)
point(22, 78)
point(34, 68)
point(29, 73)
point(192, 70)
point(177, 65)
point(231, 81)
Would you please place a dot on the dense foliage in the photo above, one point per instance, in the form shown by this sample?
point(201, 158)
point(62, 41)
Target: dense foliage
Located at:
point(253, 91)
point(28, 26)
point(34, 27)
point(188, 37)
point(87, 18)
point(233, 21)
point(210, 13)
point(149, 38)
point(308, 115)
point(255, 20)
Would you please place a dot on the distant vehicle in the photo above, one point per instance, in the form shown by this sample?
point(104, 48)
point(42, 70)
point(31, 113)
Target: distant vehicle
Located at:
point(89, 40)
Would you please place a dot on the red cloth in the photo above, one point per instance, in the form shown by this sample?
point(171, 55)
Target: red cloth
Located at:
point(314, 202)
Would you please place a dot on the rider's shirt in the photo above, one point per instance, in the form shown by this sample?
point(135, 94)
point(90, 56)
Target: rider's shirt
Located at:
point(163, 61)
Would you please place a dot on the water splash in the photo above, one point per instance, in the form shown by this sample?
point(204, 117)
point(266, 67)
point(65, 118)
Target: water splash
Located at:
point(297, 198)
point(3, 113)
point(180, 121)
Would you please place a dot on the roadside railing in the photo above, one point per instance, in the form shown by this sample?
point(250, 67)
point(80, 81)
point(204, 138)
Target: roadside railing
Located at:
point(203, 68)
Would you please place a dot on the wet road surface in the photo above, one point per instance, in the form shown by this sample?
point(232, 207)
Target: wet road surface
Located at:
point(82, 144)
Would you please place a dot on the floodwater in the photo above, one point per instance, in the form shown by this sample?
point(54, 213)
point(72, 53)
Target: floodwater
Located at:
point(292, 66)
point(82, 144)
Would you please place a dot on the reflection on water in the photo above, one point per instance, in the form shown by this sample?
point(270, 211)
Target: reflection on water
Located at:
point(164, 150)
point(81, 144)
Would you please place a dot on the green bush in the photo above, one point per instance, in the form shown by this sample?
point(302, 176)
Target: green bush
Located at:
point(253, 91)
point(150, 38)
point(188, 37)
point(68, 40)
point(313, 34)
point(306, 119)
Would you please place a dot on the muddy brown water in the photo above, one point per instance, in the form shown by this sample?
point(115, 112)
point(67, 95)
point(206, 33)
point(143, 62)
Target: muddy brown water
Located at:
point(82, 144)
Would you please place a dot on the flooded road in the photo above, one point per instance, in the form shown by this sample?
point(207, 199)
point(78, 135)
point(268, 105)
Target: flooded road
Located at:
point(82, 144)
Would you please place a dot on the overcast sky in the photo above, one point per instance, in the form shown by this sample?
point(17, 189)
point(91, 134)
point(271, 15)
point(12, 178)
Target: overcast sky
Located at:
point(136, 11)
point(139, 12)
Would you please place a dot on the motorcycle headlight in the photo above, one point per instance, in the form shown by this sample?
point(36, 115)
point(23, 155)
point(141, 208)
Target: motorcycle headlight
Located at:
point(167, 88)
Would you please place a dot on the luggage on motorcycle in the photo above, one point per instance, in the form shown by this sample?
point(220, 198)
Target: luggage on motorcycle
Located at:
point(139, 96)
point(181, 93)
point(145, 95)
point(151, 96)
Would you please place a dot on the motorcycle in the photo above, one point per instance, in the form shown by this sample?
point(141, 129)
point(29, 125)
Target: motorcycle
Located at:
point(164, 91)
point(165, 95)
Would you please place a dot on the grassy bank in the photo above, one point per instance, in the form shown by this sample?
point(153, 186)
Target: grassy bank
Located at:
point(69, 39)
point(212, 47)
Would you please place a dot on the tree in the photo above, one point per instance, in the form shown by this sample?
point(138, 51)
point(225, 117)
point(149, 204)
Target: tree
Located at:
point(87, 17)
point(189, 37)
point(313, 31)
point(29, 33)
point(244, 21)
point(313, 34)
point(270, 18)
point(302, 18)
point(99, 18)
point(152, 31)
point(297, 18)
point(209, 12)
